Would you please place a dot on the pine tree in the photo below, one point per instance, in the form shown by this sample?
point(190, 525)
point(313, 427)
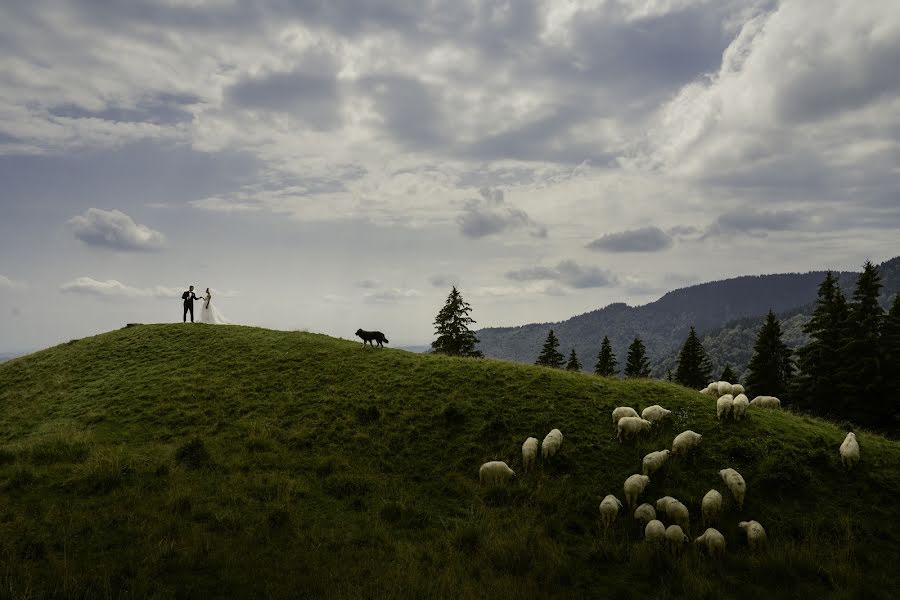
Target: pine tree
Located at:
point(694, 369)
point(637, 364)
point(550, 356)
point(728, 375)
point(890, 351)
point(452, 328)
point(573, 364)
point(860, 372)
point(606, 360)
point(770, 366)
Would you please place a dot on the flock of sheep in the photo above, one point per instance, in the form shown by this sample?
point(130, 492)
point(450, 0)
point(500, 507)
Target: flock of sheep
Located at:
point(731, 402)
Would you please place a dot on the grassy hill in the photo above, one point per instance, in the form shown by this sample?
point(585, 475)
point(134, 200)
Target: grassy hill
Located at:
point(201, 461)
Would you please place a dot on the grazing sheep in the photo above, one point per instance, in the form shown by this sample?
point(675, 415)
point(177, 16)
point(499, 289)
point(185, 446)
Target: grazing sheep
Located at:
point(723, 387)
point(609, 510)
point(655, 532)
point(676, 538)
point(685, 441)
point(645, 513)
point(551, 443)
point(766, 402)
point(495, 471)
point(713, 389)
point(634, 487)
point(623, 411)
point(632, 426)
point(736, 389)
point(655, 414)
point(723, 406)
point(739, 407)
point(850, 451)
point(654, 461)
point(736, 485)
point(714, 542)
point(711, 506)
point(529, 453)
point(756, 535)
point(674, 510)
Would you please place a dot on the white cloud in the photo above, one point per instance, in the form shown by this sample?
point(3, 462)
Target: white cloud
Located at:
point(112, 288)
point(114, 229)
point(12, 284)
point(391, 296)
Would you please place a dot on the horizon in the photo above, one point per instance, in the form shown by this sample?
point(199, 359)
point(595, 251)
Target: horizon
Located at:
point(328, 170)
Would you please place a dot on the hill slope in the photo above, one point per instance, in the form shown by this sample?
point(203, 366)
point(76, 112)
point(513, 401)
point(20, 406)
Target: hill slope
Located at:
point(202, 461)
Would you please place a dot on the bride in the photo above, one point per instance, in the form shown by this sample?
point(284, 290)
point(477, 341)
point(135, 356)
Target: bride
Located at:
point(209, 314)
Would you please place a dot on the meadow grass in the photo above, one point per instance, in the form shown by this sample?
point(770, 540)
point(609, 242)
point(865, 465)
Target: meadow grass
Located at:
point(285, 464)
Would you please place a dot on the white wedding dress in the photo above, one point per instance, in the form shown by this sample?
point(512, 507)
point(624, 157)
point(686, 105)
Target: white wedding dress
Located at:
point(209, 314)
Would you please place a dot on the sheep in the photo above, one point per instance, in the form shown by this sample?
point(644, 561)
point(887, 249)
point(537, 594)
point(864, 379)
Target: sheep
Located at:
point(676, 538)
point(529, 453)
point(723, 406)
point(634, 487)
point(766, 402)
point(756, 535)
point(674, 510)
point(850, 451)
point(713, 389)
point(632, 426)
point(551, 443)
point(654, 461)
point(711, 506)
point(495, 471)
point(736, 389)
point(723, 387)
point(623, 411)
point(739, 407)
point(645, 513)
point(609, 510)
point(714, 542)
point(655, 414)
point(685, 441)
point(736, 485)
point(655, 532)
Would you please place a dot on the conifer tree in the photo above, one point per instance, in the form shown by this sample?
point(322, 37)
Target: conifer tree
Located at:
point(728, 375)
point(452, 328)
point(606, 360)
point(890, 350)
point(637, 364)
point(694, 369)
point(550, 356)
point(770, 366)
point(860, 373)
point(573, 364)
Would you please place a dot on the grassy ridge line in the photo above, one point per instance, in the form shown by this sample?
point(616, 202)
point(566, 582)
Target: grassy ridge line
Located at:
point(360, 466)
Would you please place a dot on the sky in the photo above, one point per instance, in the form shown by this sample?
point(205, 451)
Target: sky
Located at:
point(328, 165)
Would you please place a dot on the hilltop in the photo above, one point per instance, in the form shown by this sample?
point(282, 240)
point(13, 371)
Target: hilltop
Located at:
point(225, 461)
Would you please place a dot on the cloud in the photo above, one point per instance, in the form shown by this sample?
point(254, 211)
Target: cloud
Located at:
point(11, 284)
point(444, 280)
point(367, 284)
point(646, 239)
point(114, 229)
point(567, 272)
point(112, 288)
point(758, 222)
point(490, 215)
point(391, 296)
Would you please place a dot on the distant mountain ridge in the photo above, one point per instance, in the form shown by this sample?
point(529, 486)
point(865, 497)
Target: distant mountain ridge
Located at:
point(663, 325)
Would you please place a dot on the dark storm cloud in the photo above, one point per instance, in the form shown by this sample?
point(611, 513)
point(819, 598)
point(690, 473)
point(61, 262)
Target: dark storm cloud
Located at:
point(491, 215)
point(645, 239)
point(567, 272)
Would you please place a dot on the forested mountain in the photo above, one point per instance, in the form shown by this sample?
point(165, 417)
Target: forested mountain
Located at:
point(726, 313)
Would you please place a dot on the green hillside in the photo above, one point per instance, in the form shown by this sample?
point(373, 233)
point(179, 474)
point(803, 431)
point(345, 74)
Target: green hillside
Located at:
point(200, 461)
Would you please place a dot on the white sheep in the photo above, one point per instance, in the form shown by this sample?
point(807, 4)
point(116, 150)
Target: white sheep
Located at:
point(739, 406)
point(714, 542)
point(723, 387)
point(766, 402)
point(756, 535)
point(736, 485)
point(655, 532)
point(676, 538)
point(685, 441)
point(645, 513)
point(529, 453)
point(495, 471)
point(655, 413)
point(711, 506)
point(713, 389)
point(674, 510)
point(623, 411)
point(736, 389)
point(634, 487)
point(609, 510)
point(723, 406)
point(551, 443)
point(654, 461)
point(632, 426)
point(850, 451)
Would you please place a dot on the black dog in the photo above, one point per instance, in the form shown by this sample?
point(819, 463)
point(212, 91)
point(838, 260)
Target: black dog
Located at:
point(368, 336)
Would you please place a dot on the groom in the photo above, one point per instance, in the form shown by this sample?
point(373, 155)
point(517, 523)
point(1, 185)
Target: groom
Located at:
point(189, 298)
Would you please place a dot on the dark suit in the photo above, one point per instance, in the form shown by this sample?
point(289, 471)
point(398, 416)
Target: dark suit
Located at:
point(189, 298)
